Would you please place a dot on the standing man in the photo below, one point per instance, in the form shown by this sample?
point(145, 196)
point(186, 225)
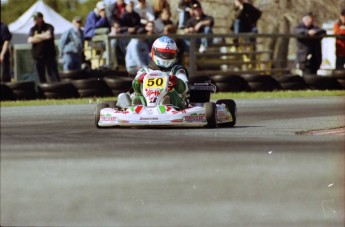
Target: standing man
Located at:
point(309, 52)
point(71, 46)
point(5, 39)
point(339, 29)
point(43, 51)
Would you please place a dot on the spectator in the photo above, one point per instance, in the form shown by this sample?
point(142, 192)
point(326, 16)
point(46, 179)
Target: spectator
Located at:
point(145, 12)
point(246, 17)
point(180, 43)
point(200, 23)
point(150, 30)
point(339, 29)
point(137, 54)
point(130, 20)
point(5, 39)
point(162, 21)
point(118, 49)
point(159, 5)
point(309, 55)
point(185, 12)
point(115, 10)
point(71, 46)
point(41, 37)
point(96, 19)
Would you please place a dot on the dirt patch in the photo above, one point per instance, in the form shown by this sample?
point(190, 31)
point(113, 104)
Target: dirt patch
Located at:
point(333, 131)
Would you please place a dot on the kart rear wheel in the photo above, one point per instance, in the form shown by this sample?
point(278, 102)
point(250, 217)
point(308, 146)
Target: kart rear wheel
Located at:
point(231, 105)
point(98, 112)
point(211, 114)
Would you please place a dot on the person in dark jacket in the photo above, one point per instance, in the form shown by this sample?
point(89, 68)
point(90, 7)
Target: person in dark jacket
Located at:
point(5, 39)
point(115, 10)
point(246, 17)
point(96, 19)
point(309, 54)
point(43, 51)
point(200, 23)
point(130, 20)
point(185, 11)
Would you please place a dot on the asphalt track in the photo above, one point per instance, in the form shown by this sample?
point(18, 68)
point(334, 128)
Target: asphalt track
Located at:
point(57, 169)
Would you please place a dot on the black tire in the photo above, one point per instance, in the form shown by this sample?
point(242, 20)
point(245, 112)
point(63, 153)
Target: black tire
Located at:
point(291, 82)
point(322, 82)
point(339, 73)
point(58, 90)
point(98, 112)
point(261, 82)
point(73, 75)
point(200, 79)
point(211, 114)
point(93, 83)
point(6, 93)
point(21, 85)
point(119, 83)
point(341, 82)
point(23, 90)
point(232, 107)
point(230, 83)
point(86, 93)
point(25, 94)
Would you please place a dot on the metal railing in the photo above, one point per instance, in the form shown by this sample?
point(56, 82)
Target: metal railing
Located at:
point(193, 53)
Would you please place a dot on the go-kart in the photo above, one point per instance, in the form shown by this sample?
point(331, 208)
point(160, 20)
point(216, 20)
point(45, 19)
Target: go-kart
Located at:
point(153, 108)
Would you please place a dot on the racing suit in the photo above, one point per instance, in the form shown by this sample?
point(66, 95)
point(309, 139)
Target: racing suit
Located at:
point(178, 75)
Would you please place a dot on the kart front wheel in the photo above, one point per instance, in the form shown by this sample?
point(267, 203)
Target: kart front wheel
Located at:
point(231, 105)
point(98, 112)
point(211, 114)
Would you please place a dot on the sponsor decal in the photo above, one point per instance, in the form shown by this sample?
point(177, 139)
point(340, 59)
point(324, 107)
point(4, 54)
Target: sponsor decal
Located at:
point(195, 118)
point(104, 118)
point(148, 118)
point(152, 94)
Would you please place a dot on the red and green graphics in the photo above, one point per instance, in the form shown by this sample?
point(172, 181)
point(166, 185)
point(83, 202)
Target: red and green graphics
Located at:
point(136, 109)
point(164, 109)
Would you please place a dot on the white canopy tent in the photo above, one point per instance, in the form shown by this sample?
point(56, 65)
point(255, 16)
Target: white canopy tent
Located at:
point(21, 27)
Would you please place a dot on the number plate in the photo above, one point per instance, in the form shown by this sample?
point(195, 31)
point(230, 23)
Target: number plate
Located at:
point(154, 82)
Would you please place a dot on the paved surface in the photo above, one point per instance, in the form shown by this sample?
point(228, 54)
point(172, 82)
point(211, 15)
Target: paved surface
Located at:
point(57, 169)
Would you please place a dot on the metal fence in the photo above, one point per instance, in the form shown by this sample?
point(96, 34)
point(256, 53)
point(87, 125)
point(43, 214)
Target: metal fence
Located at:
point(223, 59)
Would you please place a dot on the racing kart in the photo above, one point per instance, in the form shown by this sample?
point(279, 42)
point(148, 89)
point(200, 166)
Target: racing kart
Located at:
point(153, 108)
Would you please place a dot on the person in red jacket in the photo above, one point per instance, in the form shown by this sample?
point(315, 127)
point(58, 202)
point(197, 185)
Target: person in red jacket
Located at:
point(339, 29)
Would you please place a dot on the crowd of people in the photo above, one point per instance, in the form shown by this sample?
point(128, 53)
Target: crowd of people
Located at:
point(128, 17)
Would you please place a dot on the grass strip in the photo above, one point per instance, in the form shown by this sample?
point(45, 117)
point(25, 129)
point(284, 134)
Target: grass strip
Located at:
point(220, 95)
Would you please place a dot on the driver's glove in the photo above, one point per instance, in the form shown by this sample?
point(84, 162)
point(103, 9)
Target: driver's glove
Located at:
point(172, 82)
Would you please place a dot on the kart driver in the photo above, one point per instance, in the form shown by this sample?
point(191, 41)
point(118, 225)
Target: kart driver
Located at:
point(163, 57)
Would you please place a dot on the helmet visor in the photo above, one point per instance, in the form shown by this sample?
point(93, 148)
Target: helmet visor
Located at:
point(165, 53)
